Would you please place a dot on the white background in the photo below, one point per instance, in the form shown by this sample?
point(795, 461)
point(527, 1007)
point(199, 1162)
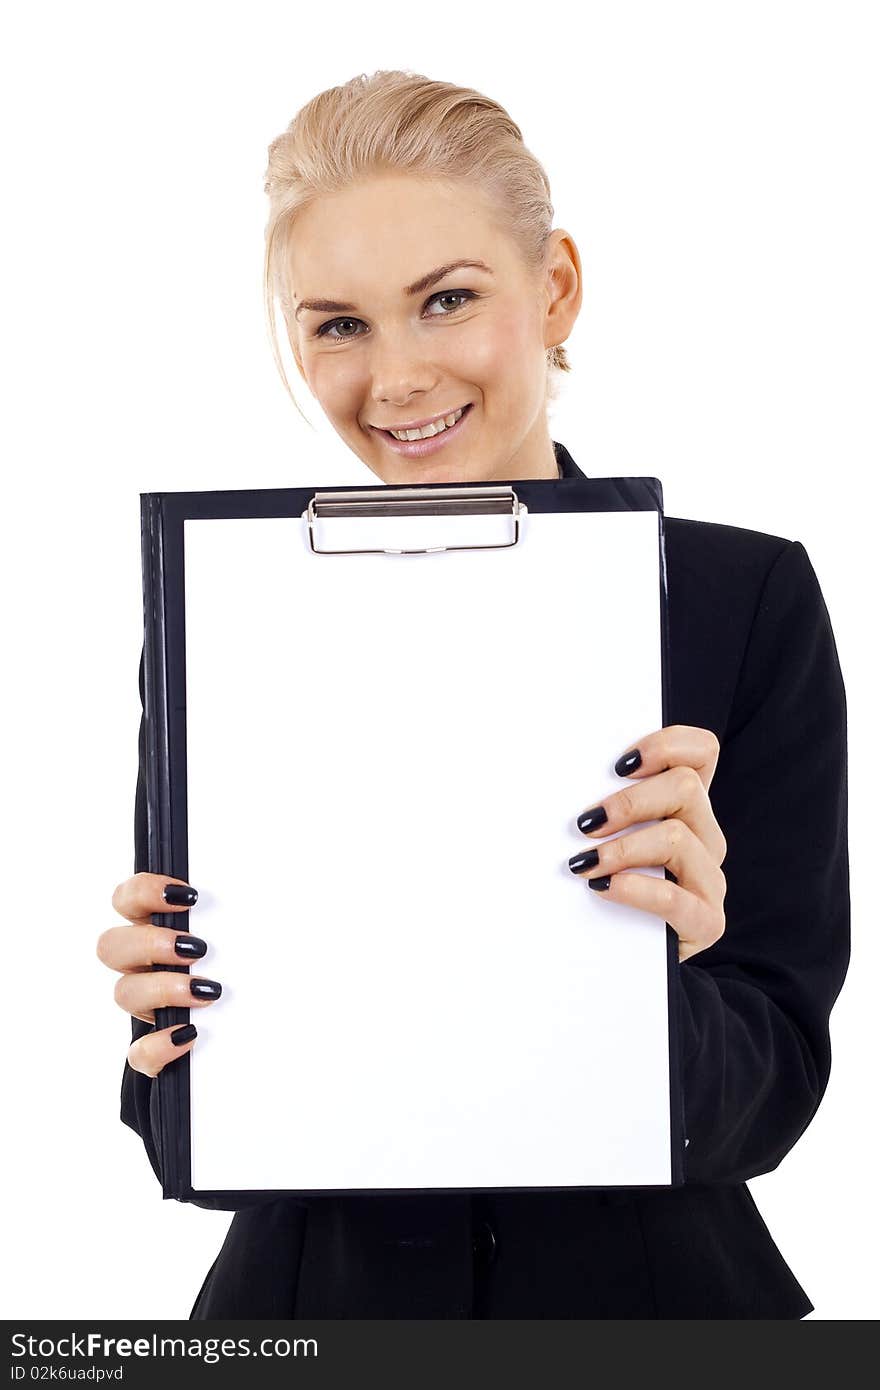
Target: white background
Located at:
point(716, 165)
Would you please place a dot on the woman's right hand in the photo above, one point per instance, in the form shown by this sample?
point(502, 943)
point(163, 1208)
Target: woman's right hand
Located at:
point(135, 946)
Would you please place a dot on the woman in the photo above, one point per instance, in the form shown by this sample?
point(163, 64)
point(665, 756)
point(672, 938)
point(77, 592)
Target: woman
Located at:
point(410, 246)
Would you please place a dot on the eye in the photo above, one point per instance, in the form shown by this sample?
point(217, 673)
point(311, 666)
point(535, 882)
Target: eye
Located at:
point(324, 330)
point(463, 295)
point(337, 337)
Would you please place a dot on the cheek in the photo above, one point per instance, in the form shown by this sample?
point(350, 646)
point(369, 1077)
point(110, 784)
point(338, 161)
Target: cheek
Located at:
point(501, 354)
point(335, 383)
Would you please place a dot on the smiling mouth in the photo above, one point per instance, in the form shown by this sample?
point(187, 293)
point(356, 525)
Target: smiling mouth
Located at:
point(435, 427)
point(421, 445)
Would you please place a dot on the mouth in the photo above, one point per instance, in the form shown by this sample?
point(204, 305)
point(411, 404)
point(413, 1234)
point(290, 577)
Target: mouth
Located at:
point(430, 438)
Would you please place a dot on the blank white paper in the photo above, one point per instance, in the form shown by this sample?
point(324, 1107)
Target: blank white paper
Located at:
point(386, 757)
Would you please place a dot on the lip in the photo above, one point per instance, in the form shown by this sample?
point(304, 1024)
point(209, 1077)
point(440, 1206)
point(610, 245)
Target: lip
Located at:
point(421, 448)
point(428, 420)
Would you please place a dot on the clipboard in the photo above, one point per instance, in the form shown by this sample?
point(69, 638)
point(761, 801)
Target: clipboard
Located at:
point(430, 1033)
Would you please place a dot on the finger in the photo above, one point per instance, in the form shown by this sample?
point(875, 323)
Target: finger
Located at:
point(668, 843)
point(672, 746)
point(694, 922)
point(679, 792)
point(142, 894)
point(132, 947)
point(142, 992)
point(154, 1051)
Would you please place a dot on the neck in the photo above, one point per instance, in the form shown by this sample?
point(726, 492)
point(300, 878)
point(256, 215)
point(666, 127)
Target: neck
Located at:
point(535, 458)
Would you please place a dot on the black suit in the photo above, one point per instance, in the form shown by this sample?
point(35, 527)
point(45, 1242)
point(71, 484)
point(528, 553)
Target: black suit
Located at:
point(753, 658)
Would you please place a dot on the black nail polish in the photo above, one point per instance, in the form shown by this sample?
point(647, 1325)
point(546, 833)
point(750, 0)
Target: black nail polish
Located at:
point(628, 763)
point(600, 884)
point(205, 989)
point(190, 946)
point(179, 894)
point(185, 1033)
point(592, 819)
point(587, 859)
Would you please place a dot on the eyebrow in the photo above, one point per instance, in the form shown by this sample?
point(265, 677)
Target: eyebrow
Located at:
point(333, 306)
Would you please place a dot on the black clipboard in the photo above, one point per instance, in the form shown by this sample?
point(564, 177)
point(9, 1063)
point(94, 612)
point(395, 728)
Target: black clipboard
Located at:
point(162, 539)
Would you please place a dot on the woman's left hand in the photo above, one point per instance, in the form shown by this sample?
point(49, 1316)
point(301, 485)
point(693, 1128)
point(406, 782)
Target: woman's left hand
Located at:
point(675, 767)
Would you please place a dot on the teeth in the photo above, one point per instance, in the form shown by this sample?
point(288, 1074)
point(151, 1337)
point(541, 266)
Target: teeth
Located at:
point(427, 431)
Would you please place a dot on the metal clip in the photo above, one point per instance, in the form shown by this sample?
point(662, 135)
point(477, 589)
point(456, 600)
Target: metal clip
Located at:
point(414, 501)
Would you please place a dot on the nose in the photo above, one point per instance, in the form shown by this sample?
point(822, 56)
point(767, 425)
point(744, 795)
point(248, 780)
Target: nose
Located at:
point(399, 372)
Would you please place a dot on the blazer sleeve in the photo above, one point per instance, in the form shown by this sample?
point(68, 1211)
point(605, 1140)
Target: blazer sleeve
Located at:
point(139, 1097)
point(755, 1005)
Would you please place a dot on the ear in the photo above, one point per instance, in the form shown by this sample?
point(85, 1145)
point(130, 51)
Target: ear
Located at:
point(563, 285)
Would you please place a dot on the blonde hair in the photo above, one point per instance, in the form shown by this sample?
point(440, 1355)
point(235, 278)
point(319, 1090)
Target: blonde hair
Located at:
point(402, 121)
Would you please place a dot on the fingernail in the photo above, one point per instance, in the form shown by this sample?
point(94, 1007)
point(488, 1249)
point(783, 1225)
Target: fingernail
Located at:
point(628, 763)
point(587, 859)
point(179, 894)
point(190, 946)
point(592, 819)
point(205, 989)
point(600, 884)
point(184, 1034)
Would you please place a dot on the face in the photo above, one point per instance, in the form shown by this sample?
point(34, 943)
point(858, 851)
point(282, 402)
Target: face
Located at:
point(412, 307)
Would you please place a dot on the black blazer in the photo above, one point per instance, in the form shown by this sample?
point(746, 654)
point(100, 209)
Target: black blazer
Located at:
point(753, 658)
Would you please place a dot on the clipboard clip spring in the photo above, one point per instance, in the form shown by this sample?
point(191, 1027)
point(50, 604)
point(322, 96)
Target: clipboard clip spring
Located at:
point(414, 501)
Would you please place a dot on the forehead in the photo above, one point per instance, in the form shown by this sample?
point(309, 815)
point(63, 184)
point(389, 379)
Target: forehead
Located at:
point(387, 231)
